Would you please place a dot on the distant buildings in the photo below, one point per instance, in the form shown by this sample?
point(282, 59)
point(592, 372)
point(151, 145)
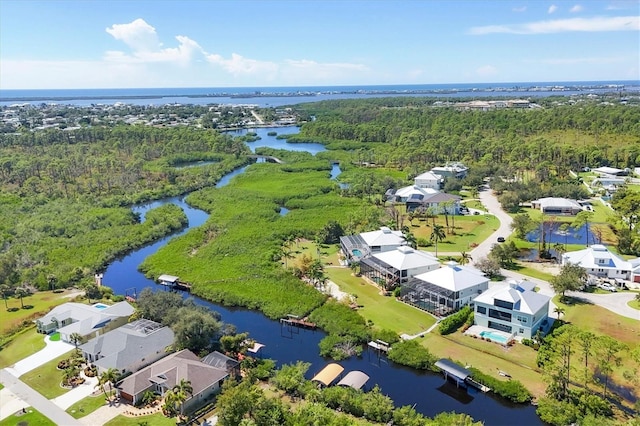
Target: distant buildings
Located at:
point(557, 206)
point(394, 268)
point(599, 261)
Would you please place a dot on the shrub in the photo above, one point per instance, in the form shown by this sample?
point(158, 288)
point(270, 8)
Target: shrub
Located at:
point(412, 354)
point(512, 390)
point(455, 321)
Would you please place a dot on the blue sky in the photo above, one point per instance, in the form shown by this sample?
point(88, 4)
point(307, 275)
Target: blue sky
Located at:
point(58, 44)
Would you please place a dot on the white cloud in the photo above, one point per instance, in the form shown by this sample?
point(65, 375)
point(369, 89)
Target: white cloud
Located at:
point(138, 35)
point(583, 60)
point(575, 9)
point(597, 24)
point(238, 64)
point(552, 9)
point(145, 46)
point(486, 71)
point(622, 5)
point(519, 9)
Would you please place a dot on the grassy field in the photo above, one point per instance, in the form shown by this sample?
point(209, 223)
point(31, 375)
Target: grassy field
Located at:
point(46, 379)
point(86, 406)
point(469, 230)
point(385, 312)
point(157, 419)
point(23, 344)
point(31, 418)
point(635, 304)
point(40, 302)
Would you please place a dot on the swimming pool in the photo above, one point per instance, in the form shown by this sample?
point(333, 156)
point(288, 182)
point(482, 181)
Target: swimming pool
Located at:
point(496, 337)
point(356, 252)
point(100, 306)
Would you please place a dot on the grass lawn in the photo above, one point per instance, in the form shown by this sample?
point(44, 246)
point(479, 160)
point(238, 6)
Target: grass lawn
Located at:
point(385, 312)
point(40, 302)
point(635, 304)
point(523, 268)
point(86, 406)
point(46, 379)
point(23, 344)
point(157, 419)
point(31, 418)
point(488, 357)
point(469, 230)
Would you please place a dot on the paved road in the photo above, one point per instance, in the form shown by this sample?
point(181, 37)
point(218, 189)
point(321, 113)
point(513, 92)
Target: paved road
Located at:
point(615, 302)
point(37, 401)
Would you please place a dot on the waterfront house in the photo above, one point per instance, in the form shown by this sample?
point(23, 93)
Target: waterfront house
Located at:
point(393, 268)
point(357, 247)
point(513, 308)
point(444, 290)
point(599, 261)
point(86, 320)
point(167, 372)
point(130, 347)
point(557, 206)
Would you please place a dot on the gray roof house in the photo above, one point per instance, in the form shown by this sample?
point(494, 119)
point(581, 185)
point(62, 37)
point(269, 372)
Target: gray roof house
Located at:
point(444, 290)
point(512, 308)
point(86, 320)
point(164, 374)
point(130, 347)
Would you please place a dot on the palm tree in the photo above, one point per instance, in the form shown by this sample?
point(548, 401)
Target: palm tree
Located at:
point(108, 376)
point(21, 292)
point(411, 240)
point(465, 258)
point(76, 338)
point(286, 254)
point(437, 235)
point(4, 289)
point(559, 311)
point(169, 405)
point(181, 390)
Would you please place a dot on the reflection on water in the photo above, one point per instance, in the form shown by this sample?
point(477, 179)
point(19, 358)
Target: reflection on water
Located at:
point(556, 232)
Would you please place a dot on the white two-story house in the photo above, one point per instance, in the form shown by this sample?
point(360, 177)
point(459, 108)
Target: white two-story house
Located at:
point(513, 308)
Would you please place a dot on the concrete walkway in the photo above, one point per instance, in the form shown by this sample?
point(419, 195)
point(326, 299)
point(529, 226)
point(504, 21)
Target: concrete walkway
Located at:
point(76, 394)
point(35, 400)
point(105, 413)
point(49, 352)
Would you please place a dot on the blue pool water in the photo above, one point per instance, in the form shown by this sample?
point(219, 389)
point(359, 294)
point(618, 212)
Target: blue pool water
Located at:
point(356, 252)
point(100, 306)
point(498, 338)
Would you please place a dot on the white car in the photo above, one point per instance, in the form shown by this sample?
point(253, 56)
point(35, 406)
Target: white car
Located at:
point(608, 287)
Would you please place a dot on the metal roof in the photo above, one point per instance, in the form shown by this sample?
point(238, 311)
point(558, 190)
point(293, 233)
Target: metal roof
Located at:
point(452, 368)
point(356, 379)
point(328, 374)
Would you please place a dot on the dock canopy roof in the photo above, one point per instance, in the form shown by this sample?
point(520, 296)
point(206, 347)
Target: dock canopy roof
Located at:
point(355, 379)
point(164, 278)
point(328, 374)
point(453, 369)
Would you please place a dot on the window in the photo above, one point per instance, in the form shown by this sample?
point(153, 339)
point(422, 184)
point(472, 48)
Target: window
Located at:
point(504, 316)
point(482, 310)
point(521, 331)
point(522, 319)
point(503, 304)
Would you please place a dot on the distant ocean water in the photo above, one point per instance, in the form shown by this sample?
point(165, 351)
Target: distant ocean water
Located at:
point(276, 96)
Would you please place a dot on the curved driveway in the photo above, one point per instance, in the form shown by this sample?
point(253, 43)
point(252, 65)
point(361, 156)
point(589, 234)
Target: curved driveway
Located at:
point(615, 302)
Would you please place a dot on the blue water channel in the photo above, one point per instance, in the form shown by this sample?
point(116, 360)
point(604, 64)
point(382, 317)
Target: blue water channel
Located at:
point(428, 392)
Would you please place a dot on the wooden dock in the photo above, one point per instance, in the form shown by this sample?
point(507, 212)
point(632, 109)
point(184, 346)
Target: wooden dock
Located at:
point(477, 385)
point(297, 322)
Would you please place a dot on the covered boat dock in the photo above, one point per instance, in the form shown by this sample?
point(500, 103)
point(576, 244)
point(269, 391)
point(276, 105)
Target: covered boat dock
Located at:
point(328, 374)
point(355, 379)
point(459, 374)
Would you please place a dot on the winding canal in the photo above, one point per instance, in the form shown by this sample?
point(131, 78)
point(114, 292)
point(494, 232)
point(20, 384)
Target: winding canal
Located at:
point(428, 392)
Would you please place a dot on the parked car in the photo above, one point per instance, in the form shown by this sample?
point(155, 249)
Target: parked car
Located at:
point(608, 287)
point(501, 239)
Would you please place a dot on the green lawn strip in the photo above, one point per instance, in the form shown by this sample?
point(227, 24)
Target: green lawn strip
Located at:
point(635, 304)
point(21, 345)
point(46, 379)
point(31, 418)
point(384, 311)
point(41, 302)
point(522, 268)
point(157, 419)
point(488, 357)
point(86, 406)
point(469, 231)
